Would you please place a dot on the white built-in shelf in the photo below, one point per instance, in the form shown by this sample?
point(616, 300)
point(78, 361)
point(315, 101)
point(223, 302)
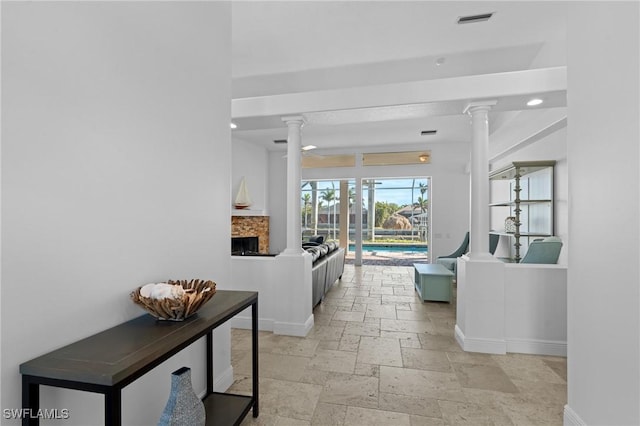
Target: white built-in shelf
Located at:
point(529, 200)
point(248, 212)
point(513, 203)
point(522, 234)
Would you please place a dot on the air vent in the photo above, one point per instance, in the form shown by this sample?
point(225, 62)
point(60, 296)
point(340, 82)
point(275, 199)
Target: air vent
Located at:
point(428, 132)
point(280, 141)
point(474, 18)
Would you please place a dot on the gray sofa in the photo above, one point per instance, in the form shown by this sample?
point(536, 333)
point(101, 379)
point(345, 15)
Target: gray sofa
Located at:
point(328, 266)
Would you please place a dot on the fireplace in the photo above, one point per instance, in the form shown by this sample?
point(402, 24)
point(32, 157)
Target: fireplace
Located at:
point(252, 226)
point(244, 245)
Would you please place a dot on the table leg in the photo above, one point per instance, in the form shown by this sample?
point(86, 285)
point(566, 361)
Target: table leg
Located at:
point(30, 401)
point(113, 407)
point(209, 363)
point(254, 347)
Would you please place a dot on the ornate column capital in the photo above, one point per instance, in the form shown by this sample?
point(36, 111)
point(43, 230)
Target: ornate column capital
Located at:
point(479, 106)
point(294, 119)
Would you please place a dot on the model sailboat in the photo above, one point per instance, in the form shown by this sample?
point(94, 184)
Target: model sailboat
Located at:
point(242, 199)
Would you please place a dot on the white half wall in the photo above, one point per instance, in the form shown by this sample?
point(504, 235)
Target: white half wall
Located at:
point(505, 307)
point(480, 309)
point(285, 292)
point(604, 188)
point(115, 156)
point(535, 308)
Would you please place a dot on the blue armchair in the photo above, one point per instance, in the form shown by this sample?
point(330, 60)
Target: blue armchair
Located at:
point(544, 250)
point(450, 261)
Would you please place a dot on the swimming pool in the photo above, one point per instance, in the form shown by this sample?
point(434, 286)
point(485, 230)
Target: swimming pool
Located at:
point(392, 247)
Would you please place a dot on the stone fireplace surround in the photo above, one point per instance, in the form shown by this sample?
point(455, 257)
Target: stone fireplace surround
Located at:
point(252, 226)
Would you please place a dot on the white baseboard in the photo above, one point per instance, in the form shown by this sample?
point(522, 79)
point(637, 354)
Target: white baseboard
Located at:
point(293, 329)
point(264, 324)
point(221, 382)
point(482, 345)
point(537, 347)
point(571, 418)
point(459, 336)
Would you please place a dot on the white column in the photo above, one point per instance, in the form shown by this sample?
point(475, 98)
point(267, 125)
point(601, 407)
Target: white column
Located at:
point(479, 215)
point(294, 166)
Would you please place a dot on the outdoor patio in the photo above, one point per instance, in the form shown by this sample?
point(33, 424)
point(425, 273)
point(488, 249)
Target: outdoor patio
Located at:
point(388, 258)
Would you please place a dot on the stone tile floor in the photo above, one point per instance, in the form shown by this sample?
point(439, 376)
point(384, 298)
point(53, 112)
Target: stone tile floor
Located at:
point(377, 355)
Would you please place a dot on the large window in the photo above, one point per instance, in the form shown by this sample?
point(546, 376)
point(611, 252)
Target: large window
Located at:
point(321, 208)
point(395, 213)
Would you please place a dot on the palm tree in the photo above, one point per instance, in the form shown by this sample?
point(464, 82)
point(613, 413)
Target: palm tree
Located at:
point(352, 197)
point(371, 209)
point(329, 196)
point(422, 203)
point(413, 190)
point(306, 198)
point(423, 188)
point(314, 206)
point(336, 198)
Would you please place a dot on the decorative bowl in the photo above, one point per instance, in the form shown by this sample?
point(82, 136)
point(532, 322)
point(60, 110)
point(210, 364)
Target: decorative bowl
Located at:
point(180, 304)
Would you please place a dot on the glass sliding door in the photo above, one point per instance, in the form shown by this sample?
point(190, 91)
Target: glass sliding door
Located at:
point(395, 217)
point(396, 220)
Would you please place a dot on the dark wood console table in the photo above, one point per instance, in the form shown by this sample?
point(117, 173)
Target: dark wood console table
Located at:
point(108, 361)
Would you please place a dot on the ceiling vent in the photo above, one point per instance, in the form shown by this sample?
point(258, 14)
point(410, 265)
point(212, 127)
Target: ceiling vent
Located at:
point(280, 141)
point(428, 132)
point(474, 18)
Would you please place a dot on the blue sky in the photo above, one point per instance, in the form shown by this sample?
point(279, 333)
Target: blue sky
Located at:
point(390, 190)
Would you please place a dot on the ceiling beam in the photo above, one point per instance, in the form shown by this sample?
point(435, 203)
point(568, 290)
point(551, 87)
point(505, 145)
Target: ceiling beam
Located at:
point(467, 88)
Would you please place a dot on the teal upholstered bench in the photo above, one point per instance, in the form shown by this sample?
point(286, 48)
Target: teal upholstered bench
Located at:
point(433, 282)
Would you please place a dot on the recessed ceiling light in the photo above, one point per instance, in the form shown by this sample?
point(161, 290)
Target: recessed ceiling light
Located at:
point(474, 18)
point(233, 125)
point(428, 132)
point(308, 147)
point(534, 102)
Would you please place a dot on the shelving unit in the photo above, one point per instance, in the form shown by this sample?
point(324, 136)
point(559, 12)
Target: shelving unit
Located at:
point(523, 190)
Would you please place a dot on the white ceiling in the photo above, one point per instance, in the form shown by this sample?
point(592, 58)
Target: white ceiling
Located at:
point(282, 47)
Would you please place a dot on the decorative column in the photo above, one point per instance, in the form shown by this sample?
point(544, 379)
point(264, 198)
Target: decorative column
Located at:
point(294, 175)
point(479, 215)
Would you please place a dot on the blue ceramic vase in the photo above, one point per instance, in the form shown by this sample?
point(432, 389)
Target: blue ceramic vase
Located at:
point(183, 408)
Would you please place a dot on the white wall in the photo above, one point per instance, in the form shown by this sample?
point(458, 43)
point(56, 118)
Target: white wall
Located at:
point(450, 190)
point(277, 202)
point(115, 154)
point(604, 183)
point(251, 162)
